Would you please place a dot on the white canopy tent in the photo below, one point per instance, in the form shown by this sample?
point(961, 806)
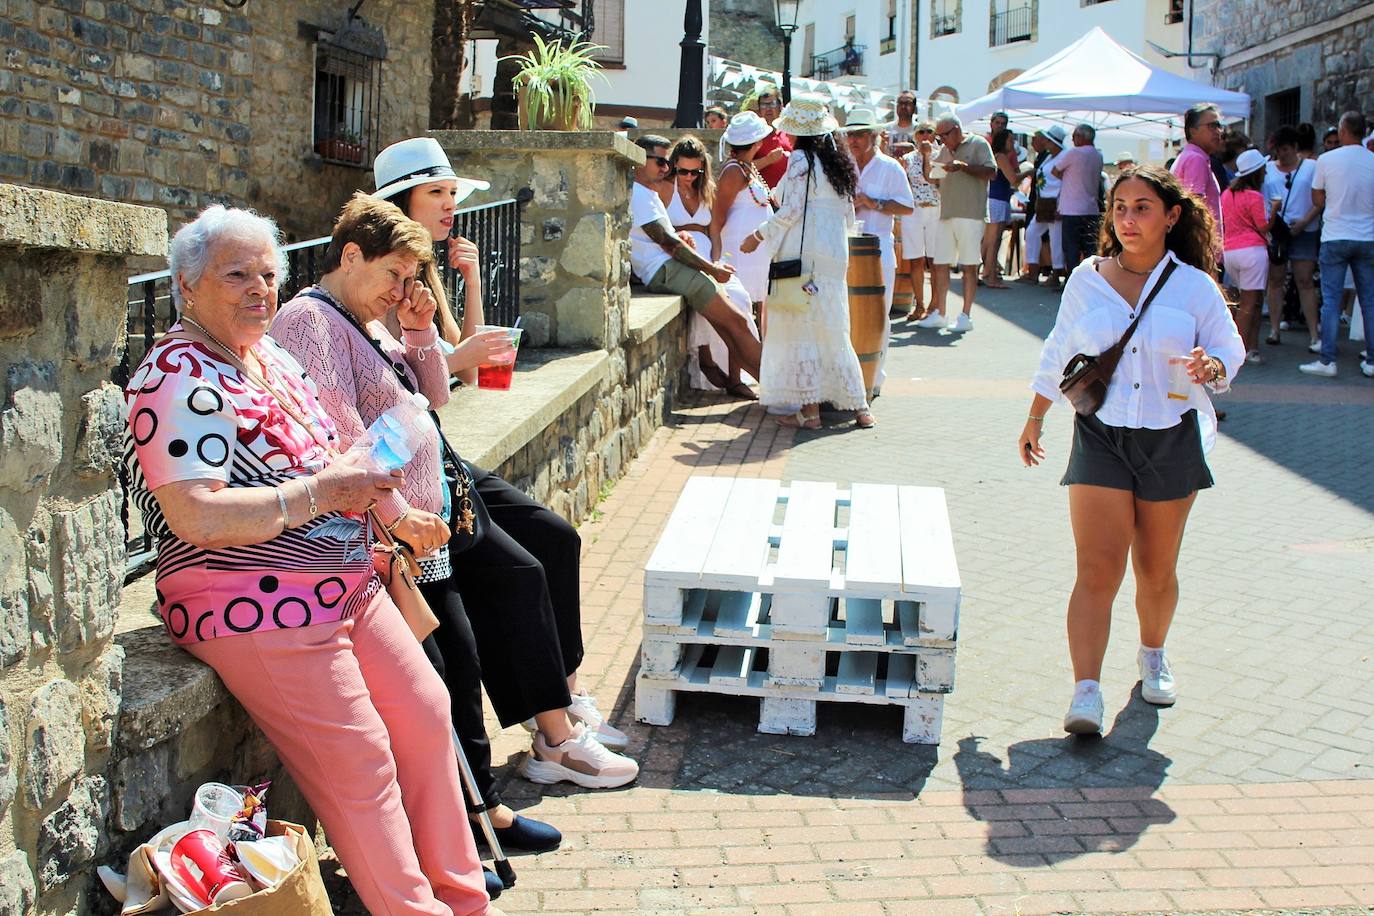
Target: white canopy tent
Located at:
point(1097, 81)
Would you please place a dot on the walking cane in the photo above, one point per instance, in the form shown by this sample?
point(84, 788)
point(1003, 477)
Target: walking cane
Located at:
point(499, 860)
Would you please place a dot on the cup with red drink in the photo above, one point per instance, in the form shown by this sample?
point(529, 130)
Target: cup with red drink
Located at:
point(496, 376)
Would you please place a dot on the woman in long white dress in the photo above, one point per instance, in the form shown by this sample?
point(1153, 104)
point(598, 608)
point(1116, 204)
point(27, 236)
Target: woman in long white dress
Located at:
point(688, 196)
point(807, 356)
point(743, 201)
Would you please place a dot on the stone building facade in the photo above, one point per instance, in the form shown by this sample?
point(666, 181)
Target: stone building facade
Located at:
point(746, 31)
point(177, 104)
point(1300, 60)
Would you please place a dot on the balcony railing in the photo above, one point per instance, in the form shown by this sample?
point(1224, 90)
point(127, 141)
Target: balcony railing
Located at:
point(494, 228)
point(845, 61)
point(1011, 25)
point(944, 24)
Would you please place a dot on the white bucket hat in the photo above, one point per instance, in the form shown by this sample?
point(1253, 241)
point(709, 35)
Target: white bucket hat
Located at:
point(1055, 134)
point(746, 129)
point(1249, 162)
point(807, 116)
point(861, 119)
point(419, 160)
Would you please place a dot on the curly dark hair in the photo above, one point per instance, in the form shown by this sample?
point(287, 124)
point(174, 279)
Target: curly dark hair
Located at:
point(836, 162)
point(1193, 240)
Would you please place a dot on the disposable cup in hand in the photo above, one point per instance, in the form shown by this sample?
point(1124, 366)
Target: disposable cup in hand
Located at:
point(1180, 382)
point(214, 808)
point(496, 376)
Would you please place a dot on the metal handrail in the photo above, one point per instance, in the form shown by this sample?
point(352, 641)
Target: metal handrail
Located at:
point(1011, 25)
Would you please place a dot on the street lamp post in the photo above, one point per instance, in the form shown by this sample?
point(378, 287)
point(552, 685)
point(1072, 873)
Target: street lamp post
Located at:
point(787, 12)
point(691, 75)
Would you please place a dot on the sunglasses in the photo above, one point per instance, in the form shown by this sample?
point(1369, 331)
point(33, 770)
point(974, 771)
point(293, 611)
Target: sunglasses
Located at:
point(661, 160)
point(944, 133)
point(690, 171)
point(925, 131)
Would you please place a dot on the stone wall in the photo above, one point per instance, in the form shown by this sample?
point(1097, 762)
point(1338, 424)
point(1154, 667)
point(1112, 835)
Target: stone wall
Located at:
point(746, 31)
point(62, 292)
point(1322, 48)
point(574, 266)
point(178, 104)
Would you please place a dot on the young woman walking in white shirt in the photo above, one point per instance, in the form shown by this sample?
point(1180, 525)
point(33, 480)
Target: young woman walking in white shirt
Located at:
point(1137, 464)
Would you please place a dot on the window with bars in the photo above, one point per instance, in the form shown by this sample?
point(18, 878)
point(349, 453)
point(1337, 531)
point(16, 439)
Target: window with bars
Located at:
point(348, 92)
point(1010, 21)
point(1282, 108)
point(608, 28)
point(945, 16)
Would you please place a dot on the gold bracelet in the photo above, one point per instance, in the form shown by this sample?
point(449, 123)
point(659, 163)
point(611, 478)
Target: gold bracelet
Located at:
point(314, 509)
point(391, 529)
point(1039, 419)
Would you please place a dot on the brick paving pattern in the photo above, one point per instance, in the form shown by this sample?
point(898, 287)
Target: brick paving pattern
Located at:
point(1255, 792)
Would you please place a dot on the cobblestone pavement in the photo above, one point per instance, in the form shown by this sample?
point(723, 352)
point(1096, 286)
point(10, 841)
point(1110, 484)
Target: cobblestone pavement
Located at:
point(1254, 792)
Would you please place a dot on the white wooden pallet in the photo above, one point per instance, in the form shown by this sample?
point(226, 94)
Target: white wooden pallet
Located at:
point(745, 565)
point(791, 710)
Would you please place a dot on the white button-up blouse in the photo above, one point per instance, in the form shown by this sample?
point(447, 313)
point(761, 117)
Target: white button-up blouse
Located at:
point(1188, 312)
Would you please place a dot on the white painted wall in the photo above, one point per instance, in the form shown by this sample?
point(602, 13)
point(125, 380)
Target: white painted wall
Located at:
point(653, 53)
point(888, 72)
point(966, 62)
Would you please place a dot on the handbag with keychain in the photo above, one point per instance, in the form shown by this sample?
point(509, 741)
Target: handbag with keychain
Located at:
point(470, 519)
point(1086, 377)
point(392, 560)
point(788, 290)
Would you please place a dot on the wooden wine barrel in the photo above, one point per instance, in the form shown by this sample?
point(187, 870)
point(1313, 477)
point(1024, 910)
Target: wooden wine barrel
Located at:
point(867, 313)
point(903, 293)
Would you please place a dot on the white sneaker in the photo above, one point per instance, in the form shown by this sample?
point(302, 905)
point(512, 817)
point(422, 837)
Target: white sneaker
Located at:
point(1085, 712)
point(1156, 678)
point(1283, 325)
point(584, 710)
point(1317, 367)
point(581, 760)
point(1367, 368)
point(1254, 358)
point(961, 324)
point(933, 320)
point(1314, 347)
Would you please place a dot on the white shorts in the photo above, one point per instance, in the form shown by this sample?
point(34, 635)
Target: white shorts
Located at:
point(959, 241)
point(918, 232)
point(1247, 268)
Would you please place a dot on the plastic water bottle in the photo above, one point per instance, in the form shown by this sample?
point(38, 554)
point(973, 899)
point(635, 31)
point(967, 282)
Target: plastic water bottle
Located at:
point(393, 437)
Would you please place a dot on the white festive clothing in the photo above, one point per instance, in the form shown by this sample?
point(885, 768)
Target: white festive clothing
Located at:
point(744, 216)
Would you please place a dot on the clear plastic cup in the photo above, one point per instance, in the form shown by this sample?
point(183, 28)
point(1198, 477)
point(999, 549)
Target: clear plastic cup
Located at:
point(496, 376)
point(214, 808)
point(1180, 382)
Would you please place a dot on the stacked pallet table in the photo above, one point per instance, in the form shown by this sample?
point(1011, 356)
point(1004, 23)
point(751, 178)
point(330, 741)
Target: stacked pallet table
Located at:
point(801, 593)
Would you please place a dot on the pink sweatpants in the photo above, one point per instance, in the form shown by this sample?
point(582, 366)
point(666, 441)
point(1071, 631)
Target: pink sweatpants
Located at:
point(361, 721)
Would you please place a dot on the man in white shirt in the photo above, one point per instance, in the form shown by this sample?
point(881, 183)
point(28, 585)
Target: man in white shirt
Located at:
point(1343, 187)
point(667, 264)
point(883, 195)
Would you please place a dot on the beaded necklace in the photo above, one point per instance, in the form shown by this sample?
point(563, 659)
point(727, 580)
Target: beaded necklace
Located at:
point(756, 181)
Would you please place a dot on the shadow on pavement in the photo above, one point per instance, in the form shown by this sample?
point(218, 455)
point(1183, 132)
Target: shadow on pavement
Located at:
point(1062, 826)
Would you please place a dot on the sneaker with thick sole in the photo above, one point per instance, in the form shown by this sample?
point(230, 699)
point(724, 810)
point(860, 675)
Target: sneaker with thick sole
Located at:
point(584, 710)
point(961, 324)
point(1085, 713)
point(933, 320)
point(581, 760)
point(1156, 678)
point(1318, 368)
point(1367, 369)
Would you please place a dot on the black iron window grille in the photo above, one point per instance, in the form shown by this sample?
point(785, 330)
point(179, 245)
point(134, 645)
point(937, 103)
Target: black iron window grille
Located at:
point(1010, 25)
point(944, 18)
point(348, 93)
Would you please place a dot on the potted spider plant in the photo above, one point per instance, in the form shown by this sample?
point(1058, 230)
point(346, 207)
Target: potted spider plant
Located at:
point(554, 85)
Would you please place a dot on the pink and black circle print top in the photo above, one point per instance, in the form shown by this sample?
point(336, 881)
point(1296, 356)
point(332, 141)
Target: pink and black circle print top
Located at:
point(194, 416)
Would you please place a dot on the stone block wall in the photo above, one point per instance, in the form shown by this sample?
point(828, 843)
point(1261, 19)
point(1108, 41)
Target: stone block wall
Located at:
point(1322, 48)
point(62, 291)
point(746, 31)
point(178, 104)
point(575, 261)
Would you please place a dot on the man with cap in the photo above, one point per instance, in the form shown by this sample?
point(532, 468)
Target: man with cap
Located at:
point(667, 264)
point(968, 165)
point(1045, 209)
point(883, 194)
point(1079, 169)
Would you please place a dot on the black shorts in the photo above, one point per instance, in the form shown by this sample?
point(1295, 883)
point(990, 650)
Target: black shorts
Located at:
point(1154, 464)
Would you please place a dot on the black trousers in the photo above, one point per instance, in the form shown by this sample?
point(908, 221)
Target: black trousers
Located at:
point(510, 618)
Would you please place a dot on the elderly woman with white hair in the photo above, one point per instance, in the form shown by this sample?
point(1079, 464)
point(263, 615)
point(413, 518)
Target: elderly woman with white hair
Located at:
point(265, 574)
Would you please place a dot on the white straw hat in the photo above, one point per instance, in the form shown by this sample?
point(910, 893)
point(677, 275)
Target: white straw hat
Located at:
point(746, 129)
point(861, 119)
point(419, 160)
point(807, 116)
point(1249, 162)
